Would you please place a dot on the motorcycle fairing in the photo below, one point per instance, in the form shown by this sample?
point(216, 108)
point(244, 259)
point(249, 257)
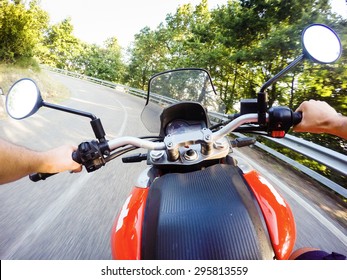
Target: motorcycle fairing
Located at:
point(278, 215)
point(207, 214)
point(126, 232)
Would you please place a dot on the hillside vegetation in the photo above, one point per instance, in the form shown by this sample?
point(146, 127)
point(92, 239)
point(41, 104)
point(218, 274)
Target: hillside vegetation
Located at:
point(50, 89)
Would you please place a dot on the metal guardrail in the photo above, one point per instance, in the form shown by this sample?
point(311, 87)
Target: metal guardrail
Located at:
point(311, 173)
point(311, 150)
point(321, 154)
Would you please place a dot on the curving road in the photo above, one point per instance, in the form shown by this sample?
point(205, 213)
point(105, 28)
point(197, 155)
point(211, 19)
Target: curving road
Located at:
point(69, 216)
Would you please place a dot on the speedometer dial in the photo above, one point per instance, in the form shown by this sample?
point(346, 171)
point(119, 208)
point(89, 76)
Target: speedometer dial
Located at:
point(176, 127)
point(183, 126)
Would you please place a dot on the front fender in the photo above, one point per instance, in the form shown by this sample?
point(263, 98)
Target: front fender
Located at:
point(277, 213)
point(127, 230)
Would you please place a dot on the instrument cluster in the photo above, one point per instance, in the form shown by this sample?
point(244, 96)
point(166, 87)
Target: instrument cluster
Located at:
point(182, 126)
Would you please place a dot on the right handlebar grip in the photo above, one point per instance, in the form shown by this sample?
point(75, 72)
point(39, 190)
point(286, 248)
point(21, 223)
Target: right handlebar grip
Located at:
point(297, 117)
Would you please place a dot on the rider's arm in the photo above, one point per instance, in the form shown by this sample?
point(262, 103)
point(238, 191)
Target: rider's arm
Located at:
point(320, 117)
point(17, 162)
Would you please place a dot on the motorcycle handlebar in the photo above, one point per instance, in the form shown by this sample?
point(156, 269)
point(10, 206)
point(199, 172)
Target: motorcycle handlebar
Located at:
point(248, 118)
point(142, 143)
point(234, 124)
point(137, 142)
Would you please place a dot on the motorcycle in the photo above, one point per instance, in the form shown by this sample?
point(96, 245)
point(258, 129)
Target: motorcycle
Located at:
point(196, 200)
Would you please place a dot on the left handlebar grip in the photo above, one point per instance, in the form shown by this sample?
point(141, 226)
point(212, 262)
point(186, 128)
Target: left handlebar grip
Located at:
point(40, 176)
point(76, 157)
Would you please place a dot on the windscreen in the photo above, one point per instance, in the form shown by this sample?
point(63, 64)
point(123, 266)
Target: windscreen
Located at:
point(174, 86)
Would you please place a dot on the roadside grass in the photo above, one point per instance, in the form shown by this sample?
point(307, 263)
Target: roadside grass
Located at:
point(51, 90)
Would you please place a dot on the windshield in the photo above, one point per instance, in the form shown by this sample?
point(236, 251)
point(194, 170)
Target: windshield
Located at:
point(174, 86)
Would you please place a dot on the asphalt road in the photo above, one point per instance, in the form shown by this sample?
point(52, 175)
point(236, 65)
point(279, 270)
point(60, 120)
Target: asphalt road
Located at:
point(69, 216)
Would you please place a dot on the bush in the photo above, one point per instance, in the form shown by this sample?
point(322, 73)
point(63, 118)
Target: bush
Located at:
point(21, 29)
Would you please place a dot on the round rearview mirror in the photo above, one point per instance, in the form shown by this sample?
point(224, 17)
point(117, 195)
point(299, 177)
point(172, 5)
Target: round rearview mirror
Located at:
point(321, 43)
point(23, 99)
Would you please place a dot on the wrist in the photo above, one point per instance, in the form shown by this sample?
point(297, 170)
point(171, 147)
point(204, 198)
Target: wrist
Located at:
point(42, 164)
point(338, 126)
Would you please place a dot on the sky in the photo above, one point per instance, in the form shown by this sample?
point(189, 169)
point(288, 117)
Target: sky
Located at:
point(95, 21)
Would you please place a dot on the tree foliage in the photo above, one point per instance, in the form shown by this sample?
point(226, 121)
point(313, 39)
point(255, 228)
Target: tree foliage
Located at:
point(101, 62)
point(25, 33)
point(242, 43)
point(61, 49)
point(60, 46)
point(21, 29)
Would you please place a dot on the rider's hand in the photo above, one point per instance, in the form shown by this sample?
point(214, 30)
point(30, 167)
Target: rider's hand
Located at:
point(318, 117)
point(60, 159)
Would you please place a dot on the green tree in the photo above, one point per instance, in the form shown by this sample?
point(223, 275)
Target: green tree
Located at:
point(147, 56)
point(243, 44)
point(60, 46)
point(21, 29)
point(262, 38)
point(182, 41)
point(101, 62)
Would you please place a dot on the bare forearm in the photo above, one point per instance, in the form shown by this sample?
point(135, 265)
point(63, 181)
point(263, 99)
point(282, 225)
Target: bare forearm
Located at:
point(17, 162)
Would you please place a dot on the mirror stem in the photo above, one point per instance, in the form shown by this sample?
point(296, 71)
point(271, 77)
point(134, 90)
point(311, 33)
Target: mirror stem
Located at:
point(95, 122)
point(281, 73)
point(68, 110)
point(262, 96)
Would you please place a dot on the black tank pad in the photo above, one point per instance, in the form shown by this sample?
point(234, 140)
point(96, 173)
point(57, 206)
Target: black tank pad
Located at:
point(207, 214)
